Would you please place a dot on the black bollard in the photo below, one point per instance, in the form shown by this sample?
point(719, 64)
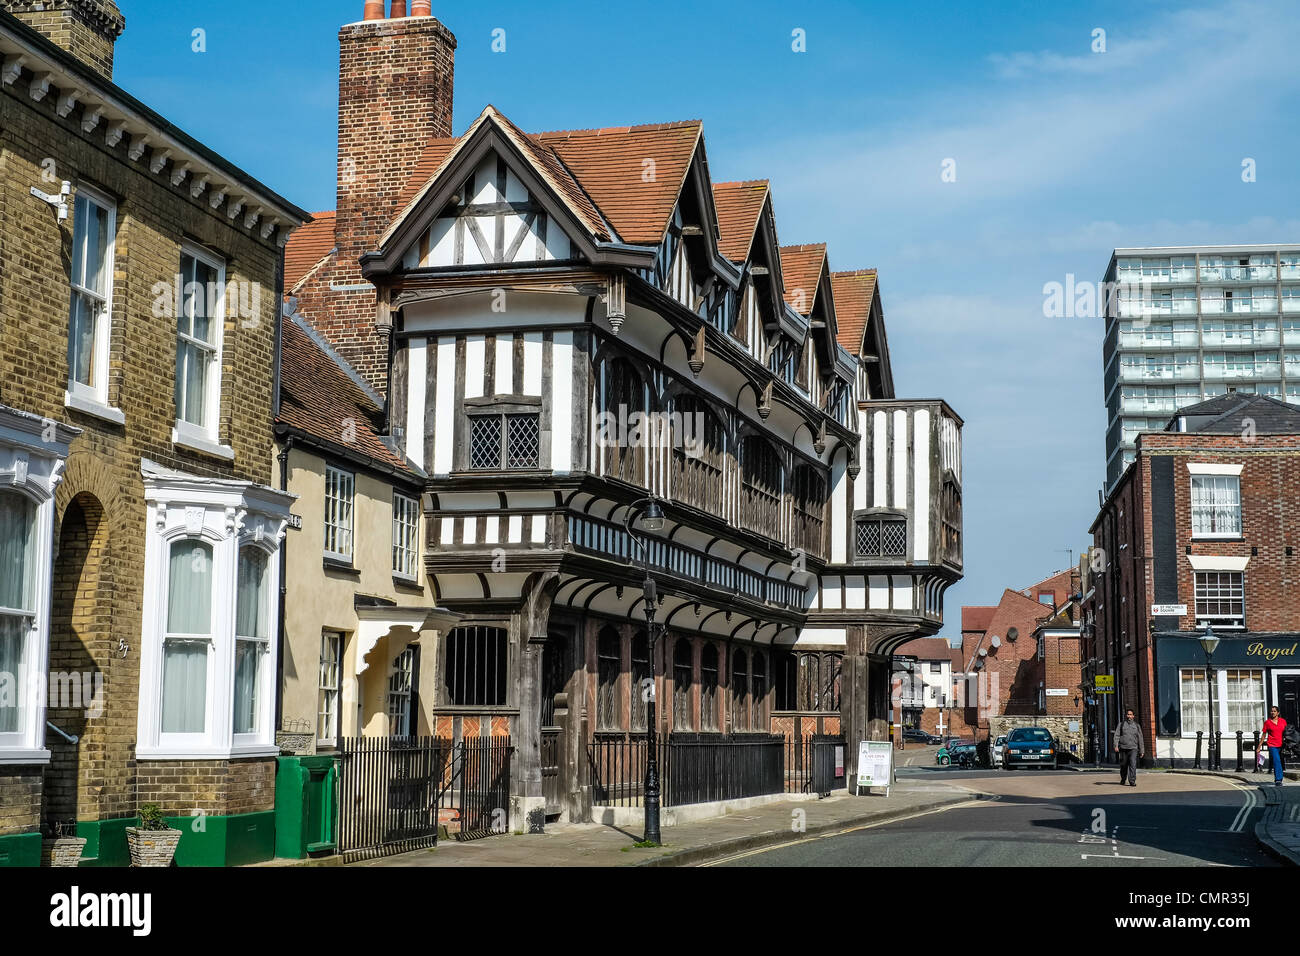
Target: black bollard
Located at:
point(1197, 764)
point(1240, 764)
point(1218, 750)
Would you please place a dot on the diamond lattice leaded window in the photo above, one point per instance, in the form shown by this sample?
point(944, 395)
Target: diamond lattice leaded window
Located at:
point(485, 442)
point(881, 537)
point(522, 441)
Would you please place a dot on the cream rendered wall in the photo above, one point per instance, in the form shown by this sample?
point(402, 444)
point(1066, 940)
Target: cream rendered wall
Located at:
point(321, 599)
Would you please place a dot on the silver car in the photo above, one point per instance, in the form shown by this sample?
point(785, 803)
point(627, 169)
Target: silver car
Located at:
point(997, 749)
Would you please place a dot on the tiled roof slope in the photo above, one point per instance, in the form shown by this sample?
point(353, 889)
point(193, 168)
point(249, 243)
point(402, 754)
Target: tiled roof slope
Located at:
point(853, 293)
point(738, 206)
point(1233, 412)
point(319, 398)
point(307, 246)
point(602, 173)
point(801, 268)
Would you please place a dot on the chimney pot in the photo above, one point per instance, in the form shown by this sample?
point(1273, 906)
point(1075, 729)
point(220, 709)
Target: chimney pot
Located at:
point(399, 10)
point(374, 10)
point(422, 8)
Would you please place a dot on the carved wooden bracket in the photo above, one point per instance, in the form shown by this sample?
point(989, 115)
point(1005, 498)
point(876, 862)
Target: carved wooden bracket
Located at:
point(765, 402)
point(696, 361)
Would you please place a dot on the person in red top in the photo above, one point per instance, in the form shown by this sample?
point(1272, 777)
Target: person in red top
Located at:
point(1273, 729)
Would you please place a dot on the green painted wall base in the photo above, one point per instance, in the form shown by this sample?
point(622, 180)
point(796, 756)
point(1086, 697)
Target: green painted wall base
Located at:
point(106, 841)
point(205, 841)
point(20, 849)
point(225, 841)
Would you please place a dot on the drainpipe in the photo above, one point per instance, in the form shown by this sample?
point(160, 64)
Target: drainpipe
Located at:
point(283, 459)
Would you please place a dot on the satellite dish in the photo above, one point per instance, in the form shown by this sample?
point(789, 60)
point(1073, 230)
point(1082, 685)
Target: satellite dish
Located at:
point(983, 651)
point(1012, 634)
point(995, 641)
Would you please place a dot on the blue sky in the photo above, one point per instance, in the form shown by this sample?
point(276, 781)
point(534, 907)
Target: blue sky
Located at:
point(1061, 155)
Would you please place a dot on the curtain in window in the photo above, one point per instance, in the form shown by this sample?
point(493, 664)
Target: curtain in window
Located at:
point(1245, 699)
point(248, 658)
point(1195, 701)
point(251, 604)
point(185, 687)
point(13, 635)
point(185, 662)
point(17, 552)
point(189, 590)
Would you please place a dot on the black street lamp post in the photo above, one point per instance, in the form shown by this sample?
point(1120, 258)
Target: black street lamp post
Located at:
point(651, 518)
point(1209, 644)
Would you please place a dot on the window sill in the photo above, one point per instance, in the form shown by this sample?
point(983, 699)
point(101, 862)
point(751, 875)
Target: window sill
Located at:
point(342, 567)
point(90, 406)
point(1218, 537)
point(23, 757)
point(182, 438)
point(407, 584)
point(206, 753)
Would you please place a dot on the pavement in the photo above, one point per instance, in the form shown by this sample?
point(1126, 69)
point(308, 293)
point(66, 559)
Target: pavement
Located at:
point(793, 828)
point(692, 843)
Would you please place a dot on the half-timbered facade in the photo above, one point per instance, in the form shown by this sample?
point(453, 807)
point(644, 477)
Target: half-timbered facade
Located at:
point(580, 319)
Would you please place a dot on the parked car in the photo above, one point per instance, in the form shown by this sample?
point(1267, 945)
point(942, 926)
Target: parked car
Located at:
point(918, 736)
point(997, 749)
point(1029, 747)
point(965, 756)
point(952, 752)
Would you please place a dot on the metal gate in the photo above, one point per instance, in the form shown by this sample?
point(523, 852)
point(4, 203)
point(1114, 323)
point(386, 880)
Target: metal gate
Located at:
point(483, 772)
point(389, 793)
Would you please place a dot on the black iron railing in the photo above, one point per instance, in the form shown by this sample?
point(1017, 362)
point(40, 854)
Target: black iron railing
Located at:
point(388, 793)
point(814, 764)
point(693, 768)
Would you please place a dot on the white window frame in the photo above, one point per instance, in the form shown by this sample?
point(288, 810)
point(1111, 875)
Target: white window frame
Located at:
point(1223, 487)
point(401, 686)
point(264, 680)
point(204, 438)
point(227, 515)
point(1225, 623)
point(406, 537)
point(31, 465)
point(179, 740)
point(329, 682)
point(334, 505)
point(93, 399)
point(1220, 715)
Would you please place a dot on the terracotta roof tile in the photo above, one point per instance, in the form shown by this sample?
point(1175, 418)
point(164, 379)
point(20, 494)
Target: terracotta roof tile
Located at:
point(977, 618)
point(319, 398)
point(612, 166)
point(308, 245)
point(853, 292)
point(801, 271)
point(738, 206)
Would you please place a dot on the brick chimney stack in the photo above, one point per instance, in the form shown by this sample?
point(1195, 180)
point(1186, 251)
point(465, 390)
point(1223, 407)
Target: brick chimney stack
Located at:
point(395, 94)
point(85, 28)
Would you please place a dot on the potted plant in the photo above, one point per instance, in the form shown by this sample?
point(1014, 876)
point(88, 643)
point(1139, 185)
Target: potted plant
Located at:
point(60, 846)
point(153, 842)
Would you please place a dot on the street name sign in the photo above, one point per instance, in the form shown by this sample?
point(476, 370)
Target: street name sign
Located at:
point(1058, 692)
point(875, 764)
point(1168, 610)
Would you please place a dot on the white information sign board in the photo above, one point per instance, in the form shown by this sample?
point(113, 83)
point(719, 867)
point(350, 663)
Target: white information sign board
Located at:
point(875, 764)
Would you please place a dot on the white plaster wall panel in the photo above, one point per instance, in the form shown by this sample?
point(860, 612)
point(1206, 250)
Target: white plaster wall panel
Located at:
point(416, 380)
point(475, 366)
point(444, 409)
point(505, 364)
point(921, 489)
point(532, 384)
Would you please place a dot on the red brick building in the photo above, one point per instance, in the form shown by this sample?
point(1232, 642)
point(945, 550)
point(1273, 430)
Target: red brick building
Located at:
point(1201, 529)
point(1025, 660)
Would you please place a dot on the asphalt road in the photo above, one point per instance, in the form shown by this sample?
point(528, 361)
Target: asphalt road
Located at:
point(1051, 818)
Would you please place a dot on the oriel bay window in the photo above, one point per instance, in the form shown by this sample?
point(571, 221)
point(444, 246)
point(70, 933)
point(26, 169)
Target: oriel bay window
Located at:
point(621, 433)
point(761, 486)
point(809, 509)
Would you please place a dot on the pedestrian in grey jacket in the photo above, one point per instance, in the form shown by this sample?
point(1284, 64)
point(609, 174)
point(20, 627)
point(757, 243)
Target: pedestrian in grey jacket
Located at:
point(1128, 744)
